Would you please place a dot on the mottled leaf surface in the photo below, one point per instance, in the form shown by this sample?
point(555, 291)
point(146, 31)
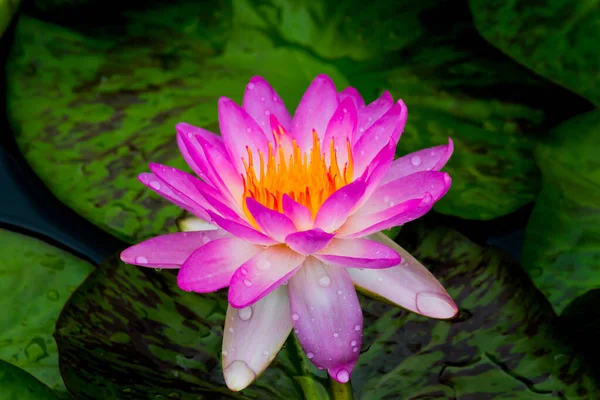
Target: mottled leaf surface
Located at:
point(562, 243)
point(558, 39)
point(130, 332)
point(16, 384)
point(36, 279)
point(91, 106)
point(502, 345)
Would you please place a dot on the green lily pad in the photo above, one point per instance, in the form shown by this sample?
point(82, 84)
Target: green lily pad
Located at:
point(90, 107)
point(502, 345)
point(8, 8)
point(17, 384)
point(36, 281)
point(130, 332)
point(562, 242)
point(558, 39)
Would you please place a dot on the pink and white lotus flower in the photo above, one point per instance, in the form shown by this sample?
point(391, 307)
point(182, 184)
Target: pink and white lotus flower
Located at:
point(294, 205)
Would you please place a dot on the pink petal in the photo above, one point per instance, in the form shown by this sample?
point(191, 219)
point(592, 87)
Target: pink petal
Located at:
point(409, 187)
point(239, 132)
point(341, 130)
point(353, 94)
point(309, 242)
point(167, 251)
point(358, 253)
point(378, 135)
point(253, 336)
point(376, 171)
point(431, 159)
point(337, 207)
point(409, 285)
point(314, 111)
point(299, 214)
point(160, 187)
point(181, 183)
point(262, 274)
point(271, 223)
point(185, 134)
point(327, 317)
point(261, 101)
point(362, 225)
point(241, 231)
point(222, 172)
point(211, 267)
point(371, 113)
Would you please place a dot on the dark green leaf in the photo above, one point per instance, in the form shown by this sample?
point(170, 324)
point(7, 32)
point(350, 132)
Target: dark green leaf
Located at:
point(16, 384)
point(562, 243)
point(90, 107)
point(558, 39)
point(36, 280)
point(8, 8)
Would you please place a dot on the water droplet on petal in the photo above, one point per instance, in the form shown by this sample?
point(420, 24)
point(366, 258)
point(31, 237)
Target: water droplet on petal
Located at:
point(285, 283)
point(141, 260)
point(266, 352)
point(343, 376)
point(267, 112)
point(370, 119)
point(324, 281)
point(244, 271)
point(262, 99)
point(416, 161)
point(339, 292)
point(295, 317)
point(386, 199)
point(205, 239)
point(230, 330)
point(275, 99)
point(251, 86)
point(247, 283)
point(357, 327)
point(335, 334)
point(380, 279)
point(355, 349)
point(309, 355)
point(353, 343)
point(263, 265)
point(155, 185)
point(248, 130)
point(245, 313)
point(345, 110)
point(190, 135)
point(361, 129)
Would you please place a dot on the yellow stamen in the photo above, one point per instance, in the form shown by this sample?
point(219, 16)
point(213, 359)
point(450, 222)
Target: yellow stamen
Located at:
point(309, 181)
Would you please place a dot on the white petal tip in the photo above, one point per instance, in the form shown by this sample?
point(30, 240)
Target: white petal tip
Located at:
point(238, 375)
point(436, 305)
point(190, 224)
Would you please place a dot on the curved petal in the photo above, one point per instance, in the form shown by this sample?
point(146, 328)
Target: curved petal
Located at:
point(314, 111)
point(185, 134)
point(193, 224)
point(253, 336)
point(271, 223)
point(340, 130)
point(431, 159)
point(409, 285)
point(241, 231)
point(327, 317)
point(413, 186)
point(376, 171)
point(362, 225)
point(299, 214)
point(309, 242)
point(261, 101)
point(211, 267)
point(160, 187)
point(353, 94)
point(371, 113)
point(261, 274)
point(337, 207)
point(239, 132)
point(358, 253)
point(167, 251)
point(378, 135)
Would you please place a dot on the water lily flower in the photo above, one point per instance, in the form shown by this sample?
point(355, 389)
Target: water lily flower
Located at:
point(294, 205)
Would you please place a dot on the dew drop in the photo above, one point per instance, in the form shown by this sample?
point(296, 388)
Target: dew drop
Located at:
point(324, 281)
point(386, 199)
point(251, 86)
point(275, 99)
point(262, 99)
point(224, 352)
point(295, 317)
point(230, 330)
point(266, 352)
point(190, 135)
point(205, 239)
point(264, 265)
point(267, 112)
point(335, 334)
point(285, 283)
point(370, 119)
point(248, 130)
point(380, 279)
point(361, 129)
point(343, 376)
point(355, 349)
point(245, 313)
point(416, 161)
point(155, 185)
point(141, 260)
point(339, 292)
point(357, 327)
point(376, 138)
point(345, 110)
point(309, 355)
point(247, 283)
point(353, 343)
point(244, 271)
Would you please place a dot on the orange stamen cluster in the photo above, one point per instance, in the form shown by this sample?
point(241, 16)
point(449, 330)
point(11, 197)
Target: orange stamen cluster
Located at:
point(306, 178)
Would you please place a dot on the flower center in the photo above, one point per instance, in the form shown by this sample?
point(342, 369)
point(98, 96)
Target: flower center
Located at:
point(308, 178)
